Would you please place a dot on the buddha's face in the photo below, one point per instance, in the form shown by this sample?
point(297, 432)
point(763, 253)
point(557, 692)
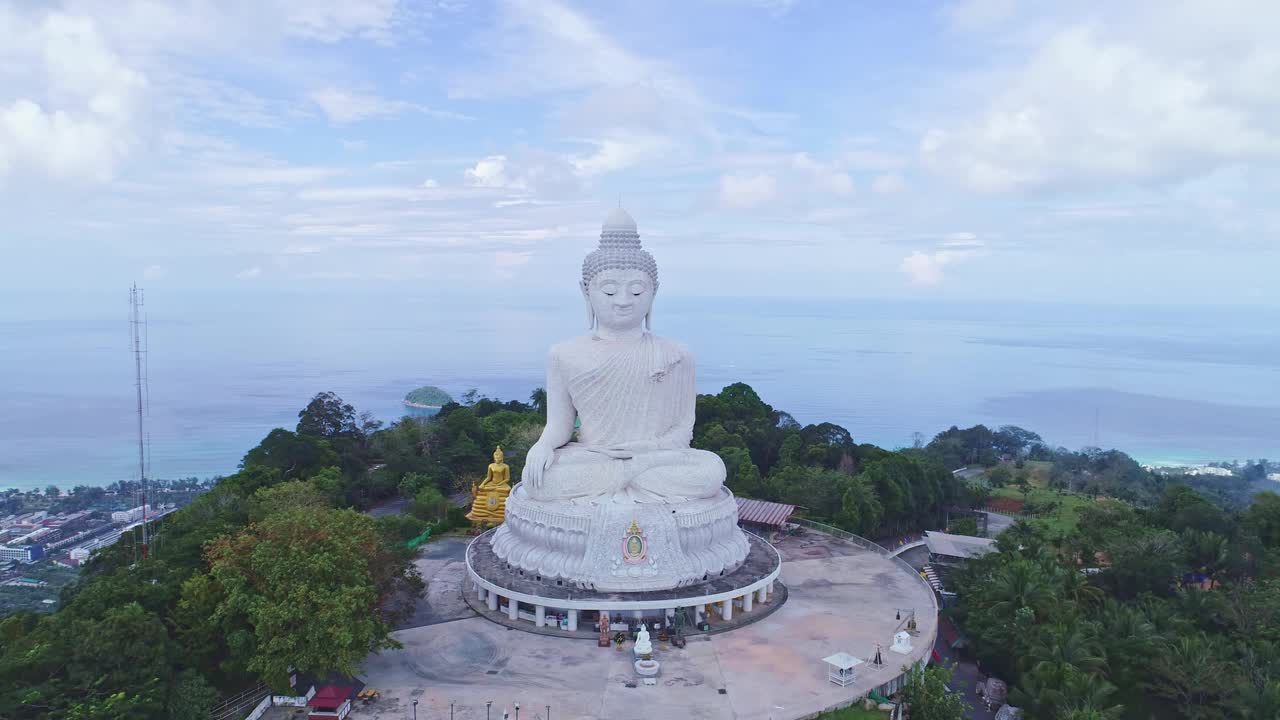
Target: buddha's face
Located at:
point(620, 298)
point(497, 456)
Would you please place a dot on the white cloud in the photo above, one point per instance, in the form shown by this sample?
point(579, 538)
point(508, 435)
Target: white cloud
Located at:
point(430, 183)
point(888, 184)
point(1167, 94)
point(334, 20)
point(154, 272)
point(617, 154)
point(925, 269)
point(533, 171)
point(344, 107)
point(490, 172)
point(825, 176)
point(249, 273)
point(747, 190)
point(75, 111)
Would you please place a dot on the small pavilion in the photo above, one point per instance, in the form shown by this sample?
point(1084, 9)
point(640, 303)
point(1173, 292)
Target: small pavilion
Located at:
point(331, 702)
point(840, 668)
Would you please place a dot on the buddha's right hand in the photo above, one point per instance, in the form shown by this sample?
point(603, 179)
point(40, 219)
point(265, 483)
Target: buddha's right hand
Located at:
point(536, 462)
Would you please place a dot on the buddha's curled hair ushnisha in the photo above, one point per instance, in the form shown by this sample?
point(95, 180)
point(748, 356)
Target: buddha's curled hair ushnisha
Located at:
point(619, 250)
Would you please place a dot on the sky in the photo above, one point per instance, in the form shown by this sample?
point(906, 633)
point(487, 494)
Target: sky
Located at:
point(1094, 152)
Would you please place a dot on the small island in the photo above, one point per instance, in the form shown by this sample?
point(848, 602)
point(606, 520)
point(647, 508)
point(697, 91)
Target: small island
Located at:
point(427, 397)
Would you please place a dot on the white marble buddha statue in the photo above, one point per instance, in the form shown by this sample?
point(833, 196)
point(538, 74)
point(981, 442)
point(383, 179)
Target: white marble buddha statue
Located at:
point(627, 504)
point(632, 391)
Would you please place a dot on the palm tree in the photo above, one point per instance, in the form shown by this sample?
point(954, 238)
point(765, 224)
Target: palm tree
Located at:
point(1205, 551)
point(1020, 584)
point(1128, 640)
point(1068, 644)
point(1190, 672)
point(1076, 586)
point(1039, 692)
point(1259, 703)
point(1088, 695)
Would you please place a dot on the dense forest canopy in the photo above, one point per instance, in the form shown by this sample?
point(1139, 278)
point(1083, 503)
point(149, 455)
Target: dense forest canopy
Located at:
point(240, 584)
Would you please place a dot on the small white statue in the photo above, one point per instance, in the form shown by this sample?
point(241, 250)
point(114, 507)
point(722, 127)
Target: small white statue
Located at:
point(643, 645)
point(901, 642)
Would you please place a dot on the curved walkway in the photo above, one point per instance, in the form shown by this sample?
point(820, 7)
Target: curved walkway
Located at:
point(903, 548)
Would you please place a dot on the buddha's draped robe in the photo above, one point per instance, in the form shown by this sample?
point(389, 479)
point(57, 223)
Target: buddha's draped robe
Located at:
point(635, 401)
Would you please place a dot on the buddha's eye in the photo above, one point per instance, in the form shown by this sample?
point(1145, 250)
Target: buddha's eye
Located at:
point(637, 288)
point(609, 288)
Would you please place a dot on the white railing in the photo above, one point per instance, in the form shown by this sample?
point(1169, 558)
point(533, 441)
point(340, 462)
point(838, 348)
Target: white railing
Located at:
point(260, 709)
point(233, 707)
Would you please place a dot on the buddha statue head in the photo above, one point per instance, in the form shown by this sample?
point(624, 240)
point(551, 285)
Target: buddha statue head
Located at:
point(619, 278)
point(497, 455)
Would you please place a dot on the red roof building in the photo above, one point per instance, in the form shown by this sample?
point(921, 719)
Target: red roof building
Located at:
point(331, 702)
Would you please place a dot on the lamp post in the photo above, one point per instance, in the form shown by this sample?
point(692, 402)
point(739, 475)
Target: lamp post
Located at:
point(415, 710)
point(517, 711)
point(488, 704)
point(450, 710)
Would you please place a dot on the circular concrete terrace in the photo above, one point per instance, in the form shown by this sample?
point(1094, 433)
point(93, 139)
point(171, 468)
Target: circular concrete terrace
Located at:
point(843, 596)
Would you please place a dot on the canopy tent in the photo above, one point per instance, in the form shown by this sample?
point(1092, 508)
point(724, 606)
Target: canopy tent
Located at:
point(840, 668)
point(331, 701)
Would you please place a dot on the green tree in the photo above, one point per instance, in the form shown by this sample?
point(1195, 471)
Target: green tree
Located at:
point(307, 581)
point(286, 496)
point(999, 476)
point(860, 508)
point(928, 698)
point(293, 455)
point(1204, 551)
point(1191, 672)
point(1263, 518)
point(430, 504)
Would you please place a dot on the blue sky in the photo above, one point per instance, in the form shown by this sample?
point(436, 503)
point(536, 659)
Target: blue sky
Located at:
point(990, 149)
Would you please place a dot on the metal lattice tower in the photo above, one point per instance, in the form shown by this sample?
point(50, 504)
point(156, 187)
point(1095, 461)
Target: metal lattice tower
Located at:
point(137, 334)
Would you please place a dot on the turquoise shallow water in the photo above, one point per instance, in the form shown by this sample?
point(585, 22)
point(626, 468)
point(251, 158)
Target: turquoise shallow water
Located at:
point(1180, 384)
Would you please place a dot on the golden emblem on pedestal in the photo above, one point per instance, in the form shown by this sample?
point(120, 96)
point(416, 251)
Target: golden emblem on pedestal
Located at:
point(635, 548)
point(489, 498)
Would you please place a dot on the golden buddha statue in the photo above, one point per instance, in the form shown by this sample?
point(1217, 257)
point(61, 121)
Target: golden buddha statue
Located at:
point(489, 498)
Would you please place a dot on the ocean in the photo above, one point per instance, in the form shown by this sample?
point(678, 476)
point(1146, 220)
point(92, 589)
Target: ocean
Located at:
point(1167, 385)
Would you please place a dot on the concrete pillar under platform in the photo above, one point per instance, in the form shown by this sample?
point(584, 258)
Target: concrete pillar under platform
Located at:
point(539, 615)
point(493, 600)
point(746, 602)
point(726, 610)
point(573, 621)
point(480, 593)
point(762, 595)
point(513, 609)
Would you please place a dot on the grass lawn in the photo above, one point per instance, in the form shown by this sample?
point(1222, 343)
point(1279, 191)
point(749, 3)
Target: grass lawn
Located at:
point(1060, 520)
point(854, 713)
